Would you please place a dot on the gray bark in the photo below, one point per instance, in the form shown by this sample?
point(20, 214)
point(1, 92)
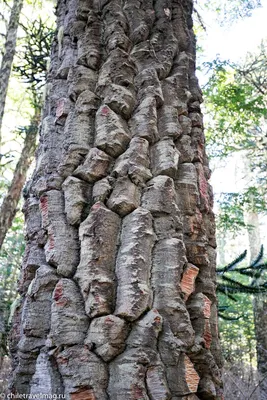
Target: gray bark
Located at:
point(9, 52)
point(118, 281)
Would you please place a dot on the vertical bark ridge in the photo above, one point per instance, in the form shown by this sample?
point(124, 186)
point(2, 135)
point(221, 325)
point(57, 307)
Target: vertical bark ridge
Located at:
point(126, 229)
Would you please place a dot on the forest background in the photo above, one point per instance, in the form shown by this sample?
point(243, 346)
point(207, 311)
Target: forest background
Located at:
point(234, 83)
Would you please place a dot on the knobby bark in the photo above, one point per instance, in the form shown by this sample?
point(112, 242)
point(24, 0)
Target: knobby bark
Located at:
point(118, 280)
point(9, 52)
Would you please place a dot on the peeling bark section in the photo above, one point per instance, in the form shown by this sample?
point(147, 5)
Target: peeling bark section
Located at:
point(119, 208)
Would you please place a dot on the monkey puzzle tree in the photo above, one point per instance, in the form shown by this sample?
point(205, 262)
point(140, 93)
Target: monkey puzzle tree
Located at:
point(118, 280)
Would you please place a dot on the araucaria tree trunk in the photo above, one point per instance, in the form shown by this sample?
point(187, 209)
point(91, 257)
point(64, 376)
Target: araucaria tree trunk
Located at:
point(9, 52)
point(118, 281)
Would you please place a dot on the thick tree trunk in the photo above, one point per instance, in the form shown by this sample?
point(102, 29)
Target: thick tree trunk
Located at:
point(118, 280)
point(9, 52)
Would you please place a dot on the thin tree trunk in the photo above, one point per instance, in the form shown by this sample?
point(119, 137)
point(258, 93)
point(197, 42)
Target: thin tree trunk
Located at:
point(10, 203)
point(259, 302)
point(118, 279)
point(259, 307)
point(9, 207)
point(9, 52)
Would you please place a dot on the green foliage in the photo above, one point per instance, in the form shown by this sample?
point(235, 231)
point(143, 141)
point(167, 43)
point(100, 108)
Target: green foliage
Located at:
point(33, 57)
point(237, 334)
point(236, 279)
point(234, 109)
point(229, 11)
point(30, 68)
point(236, 114)
point(232, 207)
point(10, 259)
point(237, 285)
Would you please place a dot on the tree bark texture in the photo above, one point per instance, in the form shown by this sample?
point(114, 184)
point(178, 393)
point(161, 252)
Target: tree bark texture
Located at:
point(9, 52)
point(118, 281)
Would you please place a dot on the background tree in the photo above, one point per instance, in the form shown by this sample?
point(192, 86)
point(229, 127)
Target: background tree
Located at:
point(236, 97)
point(8, 55)
point(122, 163)
point(31, 68)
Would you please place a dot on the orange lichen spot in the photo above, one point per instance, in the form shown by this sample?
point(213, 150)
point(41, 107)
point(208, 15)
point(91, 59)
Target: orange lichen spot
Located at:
point(188, 280)
point(83, 394)
point(207, 334)
point(207, 306)
point(157, 320)
point(191, 376)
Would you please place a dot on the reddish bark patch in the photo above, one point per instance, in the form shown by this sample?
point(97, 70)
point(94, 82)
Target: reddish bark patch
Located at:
point(62, 360)
point(83, 394)
point(60, 110)
point(191, 376)
point(207, 334)
point(109, 320)
point(44, 207)
point(203, 187)
point(137, 393)
point(200, 150)
point(105, 110)
point(51, 241)
point(188, 280)
point(207, 306)
point(96, 206)
point(58, 293)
